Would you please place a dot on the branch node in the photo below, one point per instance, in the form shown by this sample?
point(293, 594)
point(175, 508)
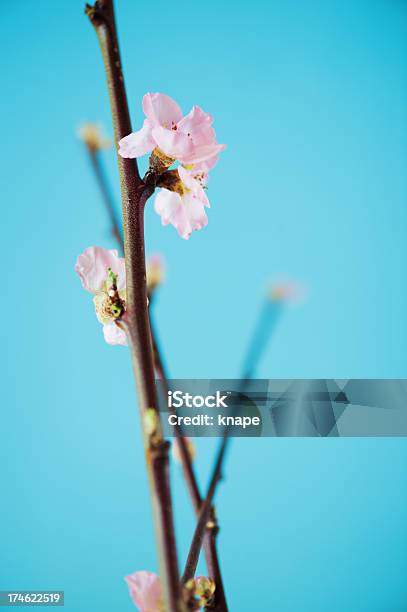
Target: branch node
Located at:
point(159, 448)
point(98, 13)
point(94, 14)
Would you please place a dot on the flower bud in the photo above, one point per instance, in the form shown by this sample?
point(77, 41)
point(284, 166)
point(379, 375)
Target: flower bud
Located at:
point(199, 592)
point(289, 291)
point(155, 272)
point(176, 452)
point(151, 421)
point(91, 134)
point(109, 302)
point(204, 587)
point(152, 426)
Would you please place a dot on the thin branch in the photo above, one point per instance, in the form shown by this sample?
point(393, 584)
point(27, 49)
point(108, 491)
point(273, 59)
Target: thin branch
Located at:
point(211, 529)
point(135, 193)
point(196, 544)
point(98, 170)
point(267, 321)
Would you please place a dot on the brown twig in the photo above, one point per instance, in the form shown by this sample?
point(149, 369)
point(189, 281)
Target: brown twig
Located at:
point(135, 193)
point(210, 532)
point(94, 157)
point(204, 513)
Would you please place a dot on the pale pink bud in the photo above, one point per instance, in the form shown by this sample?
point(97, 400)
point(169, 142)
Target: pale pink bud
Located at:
point(176, 452)
point(287, 291)
point(145, 591)
point(155, 271)
point(92, 135)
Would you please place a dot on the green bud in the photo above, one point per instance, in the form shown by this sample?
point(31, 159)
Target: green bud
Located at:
point(150, 421)
point(111, 281)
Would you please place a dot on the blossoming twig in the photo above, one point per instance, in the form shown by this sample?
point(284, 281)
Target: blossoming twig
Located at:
point(171, 137)
point(137, 327)
point(190, 140)
point(218, 602)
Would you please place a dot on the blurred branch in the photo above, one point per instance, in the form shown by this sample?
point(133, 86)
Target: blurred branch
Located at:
point(267, 321)
point(98, 170)
point(265, 326)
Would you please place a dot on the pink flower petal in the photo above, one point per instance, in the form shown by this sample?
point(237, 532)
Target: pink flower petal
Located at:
point(92, 267)
point(198, 124)
point(161, 110)
point(193, 185)
point(186, 177)
point(138, 143)
point(206, 165)
point(167, 204)
point(186, 214)
point(200, 154)
point(195, 211)
point(114, 335)
point(172, 142)
point(145, 590)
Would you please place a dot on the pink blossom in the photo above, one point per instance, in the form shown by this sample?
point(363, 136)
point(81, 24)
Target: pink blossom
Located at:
point(185, 207)
point(155, 271)
point(145, 590)
point(114, 335)
point(92, 267)
point(190, 139)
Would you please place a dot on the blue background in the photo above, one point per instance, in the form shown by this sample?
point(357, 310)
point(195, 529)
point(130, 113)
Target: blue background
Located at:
point(311, 99)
